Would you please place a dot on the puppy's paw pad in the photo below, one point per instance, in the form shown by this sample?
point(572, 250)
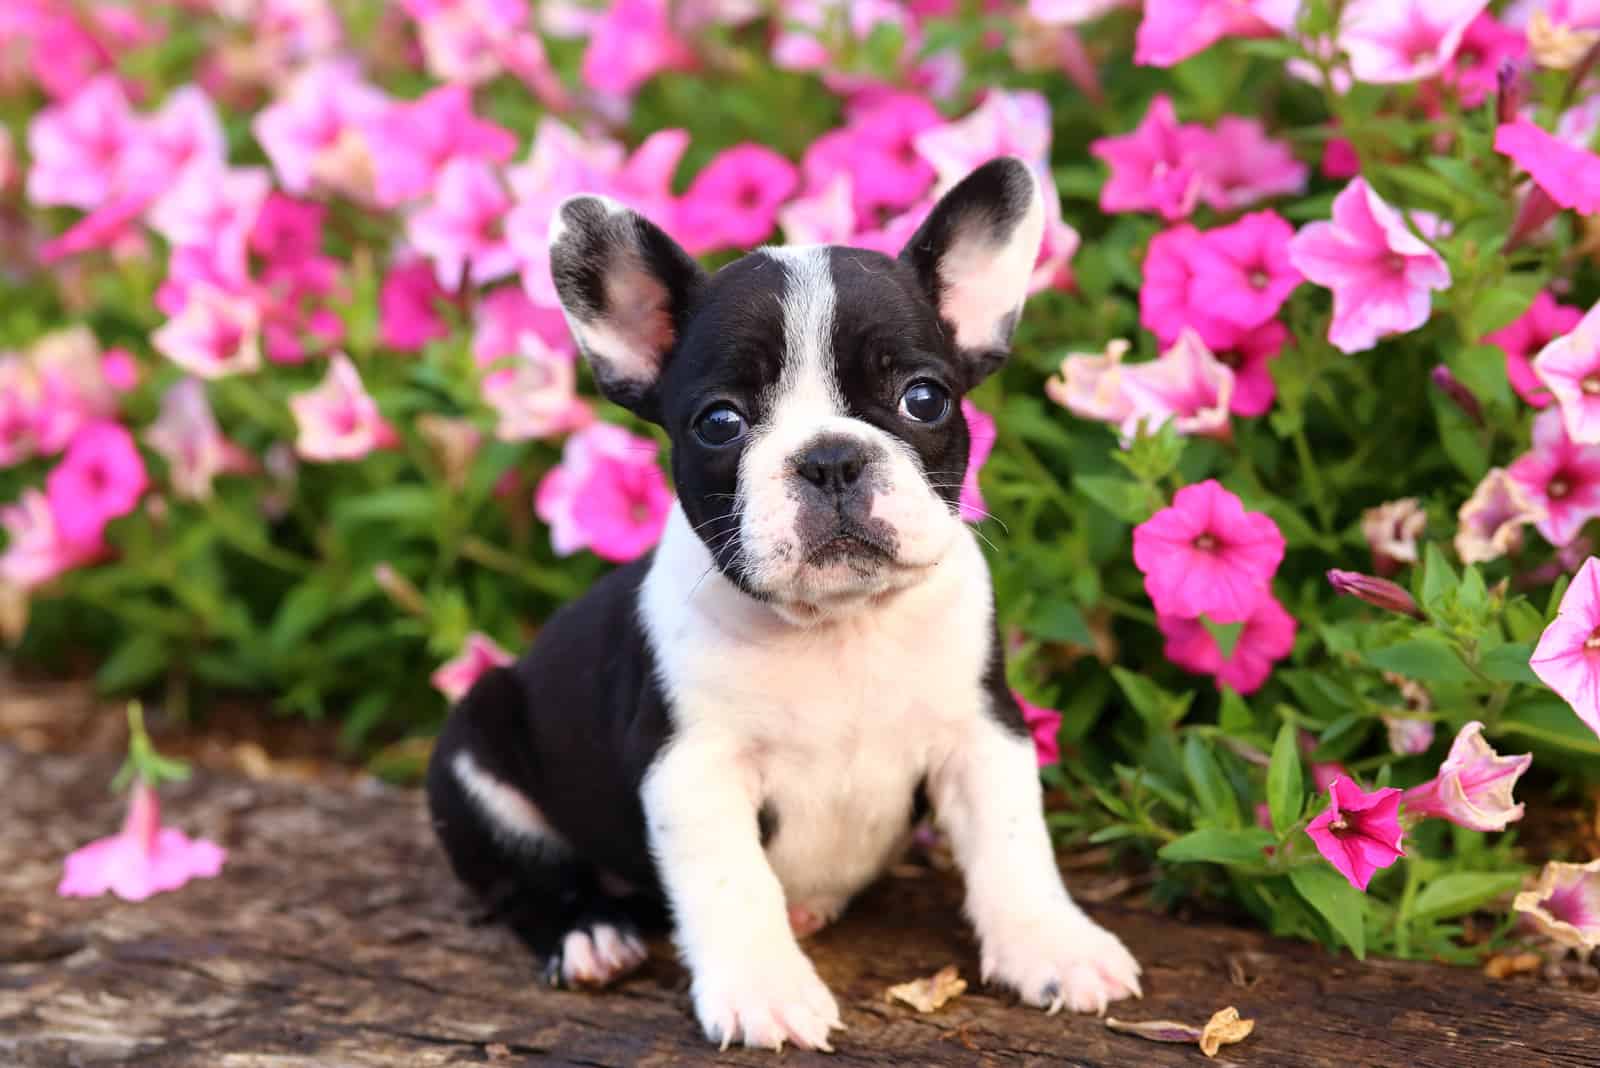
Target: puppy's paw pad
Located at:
point(595, 956)
point(768, 1006)
point(1076, 965)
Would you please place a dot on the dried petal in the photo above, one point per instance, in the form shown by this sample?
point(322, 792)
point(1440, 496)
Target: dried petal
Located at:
point(1155, 1030)
point(1224, 1029)
point(930, 994)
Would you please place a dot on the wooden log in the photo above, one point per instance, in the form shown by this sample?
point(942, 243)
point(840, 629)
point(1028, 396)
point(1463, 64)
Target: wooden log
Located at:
point(336, 937)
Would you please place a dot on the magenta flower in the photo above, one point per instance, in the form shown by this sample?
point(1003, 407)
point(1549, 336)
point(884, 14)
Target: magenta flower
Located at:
point(1473, 786)
point(880, 152)
point(1239, 164)
point(1174, 30)
point(608, 495)
point(1359, 832)
point(1151, 168)
point(1340, 159)
point(734, 201)
point(980, 429)
point(1378, 592)
point(1044, 724)
point(36, 551)
point(1560, 477)
point(1380, 272)
point(339, 420)
point(455, 677)
point(1490, 522)
point(412, 142)
point(1250, 357)
point(216, 334)
point(1543, 322)
point(1266, 637)
point(1569, 175)
point(630, 44)
point(503, 315)
point(461, 229)
point(1166, 307)
point(1089, 385)
point(535, 397)
point(1242, 273)
point(1568, 655)
point(100, 478)
point(188, 438)
point(144, 859)
point(79, 147)
point(408, 307)
point(1186, 385)
point(1486, 48)
point(1570, 367)
point(1391, 41)
point(1205, 555)
point(1564, 905)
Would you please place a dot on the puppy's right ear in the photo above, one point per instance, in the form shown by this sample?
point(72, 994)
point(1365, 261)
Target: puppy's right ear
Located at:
point(626, 288)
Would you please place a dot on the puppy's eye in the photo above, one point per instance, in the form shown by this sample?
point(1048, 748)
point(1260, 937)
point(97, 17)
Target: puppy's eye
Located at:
point(721, 425)
point(925, 401)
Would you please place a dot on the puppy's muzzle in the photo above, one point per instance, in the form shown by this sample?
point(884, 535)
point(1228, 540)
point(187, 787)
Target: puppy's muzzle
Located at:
point(836, 477)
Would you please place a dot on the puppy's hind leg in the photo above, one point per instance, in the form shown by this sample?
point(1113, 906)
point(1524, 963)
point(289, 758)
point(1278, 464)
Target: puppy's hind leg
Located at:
point(500, 845)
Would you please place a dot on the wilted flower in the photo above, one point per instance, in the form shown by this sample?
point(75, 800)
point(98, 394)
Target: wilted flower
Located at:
point(455, 443)
point(144, 859)
point(1568, 655)
point(1090, 385)
point(1565, 904)
point(1359, 832)
point(455, 677)
point(1205, 555)
point(1556, 44)
point(1375, 591)
point(1473, 786)
point(339, 420)
point(1392, 530)
point(1491, 520)
point(1407, 735)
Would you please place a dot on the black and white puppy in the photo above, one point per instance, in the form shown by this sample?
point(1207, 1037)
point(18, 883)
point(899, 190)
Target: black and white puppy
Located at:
point(737, 732)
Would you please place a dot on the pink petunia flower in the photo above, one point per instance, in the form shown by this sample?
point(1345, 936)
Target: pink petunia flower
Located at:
point(216, 334)
point(461, 229)
point(36, 551)
point(1486, 48)
point(1564, 905)
point(1359, 832)
point(1186, 385)
point(734, 201)
point(1166, 306)
point(1543, 322)
point(1567, 658)
point(1490, 522)
point(1152, 168)
point(981, 431)
point(608, 495)
point(1174, 30)
point(1568, 174)
point(216, 207)
point(1266, 637)
point(1089, 385)
point(1239, 164)
point(1560, 477)
point(314, 134)
point(1250, 357)
point(79, 147)
point(1380, 272)
point(887, 171)
point(1242, 273)
point(339, 420)
point(100, 478)
point(501, 318)
point(120, 370)
point(1072, 12)
point(188, 438)
point(1570, 367)
point(1473, 786)
point(632, 42)
point(1390, 41)
point(144, 859)
point(1340, 159)
point(1205, 555)
point(455, 677)
point(412, 142)
point(822, 217)
point(408, 307)
point(536, 397)
point(1408, 736)
point(1044, 724)
point(1392, 529)
point(70, 390)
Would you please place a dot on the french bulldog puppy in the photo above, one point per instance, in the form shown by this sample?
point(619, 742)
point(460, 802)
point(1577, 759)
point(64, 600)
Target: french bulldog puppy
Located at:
point(736, 733)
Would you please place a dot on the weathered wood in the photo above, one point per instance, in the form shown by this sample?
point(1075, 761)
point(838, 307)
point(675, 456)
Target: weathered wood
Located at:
point(336, 938)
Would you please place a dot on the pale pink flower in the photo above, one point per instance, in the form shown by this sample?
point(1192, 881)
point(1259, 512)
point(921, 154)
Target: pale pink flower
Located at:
point(1242, 273)
point(1205, 555)
point(1408, 736)
point(1072, 12)
point(19, 400)
point(1186, 385)
point(461, 229)
point(100, 478)
point(412, 141)
point(981, 432)
point(78, 147)
point(315, 132)
point(1090, 385)
point(1568, 174)
point(501, 318)
point(1473, 786)
point(607, 495)
point(185, 132)
point(1359, 832)
point(632, 42)
point(1567, 658)
point(408, 307)
point(1379, 592)
point(1391, 41)
point(1543, 322)
point(1380, 272)
point(1044, 725)
point(1565, 905)
point(734, 201)
point(823, 217)
point(1490, 522)
point(188, 438)
point(36, 551)
point(1239, 165)
point(1570, 367)
point(216, 334)
point(214, 206)
point(72, 391)
point(1266, 637)
point(1249, 356)
point(1151, 168)
point(471, 41)
point(1392, 529)
point(481, 654)
point(144, 859)
point(1174, 30)
point(1560, 477)
point(536, 397)
point(339, 420)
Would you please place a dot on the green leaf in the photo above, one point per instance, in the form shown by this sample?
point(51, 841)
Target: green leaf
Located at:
point(1155, 706)
point(138, 661)
point(1058, 621)
point(305, 608)
point(1461, 892)
point(1126, 500)
point(1422, 658)
point(1439, 580)
point(1463, 440)
point(1217, 845)
point(1211, 790)
point(1499, 304)
point(1226, 635)
point(1235, 717)
point(1509, 663)
point(1551, 723)
point(1285, 784)
point(1342, 905)
point(397, 504)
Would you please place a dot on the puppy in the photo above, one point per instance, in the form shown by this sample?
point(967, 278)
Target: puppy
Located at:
point(737, 732)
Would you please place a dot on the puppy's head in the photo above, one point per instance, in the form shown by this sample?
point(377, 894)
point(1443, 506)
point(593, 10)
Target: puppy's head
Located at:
point(811, 394)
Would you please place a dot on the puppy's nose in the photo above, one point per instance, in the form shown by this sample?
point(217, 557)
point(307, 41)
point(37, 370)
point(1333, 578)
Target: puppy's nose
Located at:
point(832, 464)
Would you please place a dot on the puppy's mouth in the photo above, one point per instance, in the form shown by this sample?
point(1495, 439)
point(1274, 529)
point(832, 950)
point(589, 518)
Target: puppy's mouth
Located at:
point(850, 543)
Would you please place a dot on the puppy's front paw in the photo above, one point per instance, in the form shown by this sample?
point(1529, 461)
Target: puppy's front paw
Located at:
point(1068, 961)
point(766, 999)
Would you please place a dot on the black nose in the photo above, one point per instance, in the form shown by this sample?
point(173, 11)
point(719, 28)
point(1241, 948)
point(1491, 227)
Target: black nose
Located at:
point(832, 464)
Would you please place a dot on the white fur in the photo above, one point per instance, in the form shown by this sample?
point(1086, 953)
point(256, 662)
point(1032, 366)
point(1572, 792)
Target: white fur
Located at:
point(507, 809)
point(983, 282)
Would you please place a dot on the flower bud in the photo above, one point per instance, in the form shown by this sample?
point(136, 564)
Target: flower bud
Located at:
point(1452, 387)
point(1375, 591)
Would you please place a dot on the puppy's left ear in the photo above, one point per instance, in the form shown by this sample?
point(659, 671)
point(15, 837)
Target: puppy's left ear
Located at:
point(974, 254)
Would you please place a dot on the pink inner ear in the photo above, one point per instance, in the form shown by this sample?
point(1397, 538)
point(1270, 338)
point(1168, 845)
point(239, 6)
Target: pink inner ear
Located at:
point(629, 339)
point(984, 282)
